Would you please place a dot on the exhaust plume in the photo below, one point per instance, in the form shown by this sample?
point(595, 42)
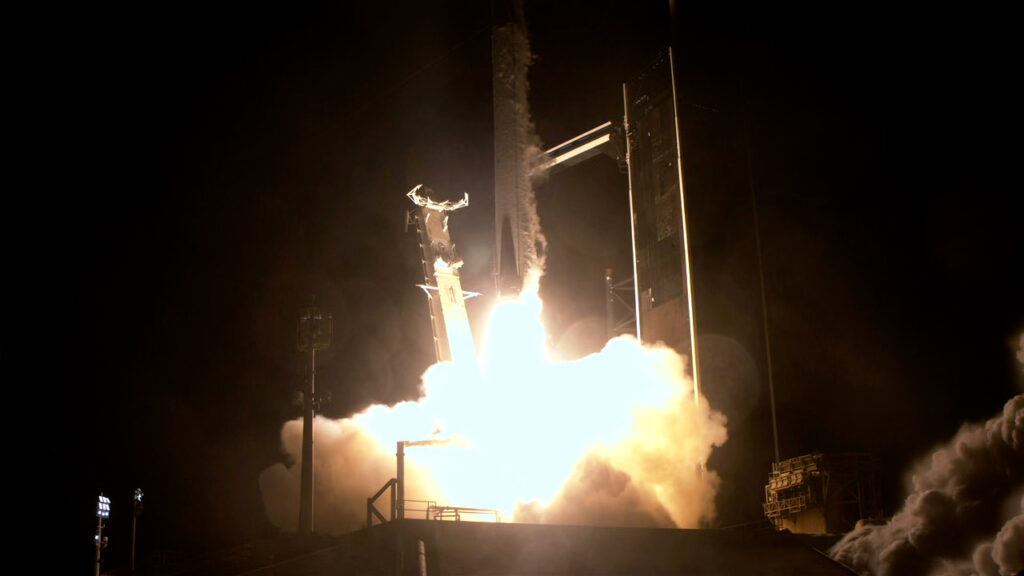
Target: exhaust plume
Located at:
point(613, 438)
point(964, 514)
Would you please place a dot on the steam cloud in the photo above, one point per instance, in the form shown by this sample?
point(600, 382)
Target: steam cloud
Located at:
point(614, 438)
point(965, 511)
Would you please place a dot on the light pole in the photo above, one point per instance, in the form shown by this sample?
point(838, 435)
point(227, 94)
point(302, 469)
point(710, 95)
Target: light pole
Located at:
point(315, 328)
point(136, 512)
point(102, 511)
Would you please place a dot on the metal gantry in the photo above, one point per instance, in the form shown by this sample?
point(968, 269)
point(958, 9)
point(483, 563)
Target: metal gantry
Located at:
point(619, 297)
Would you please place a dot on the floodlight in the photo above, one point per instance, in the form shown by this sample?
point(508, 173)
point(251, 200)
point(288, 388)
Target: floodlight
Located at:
point(103, 507)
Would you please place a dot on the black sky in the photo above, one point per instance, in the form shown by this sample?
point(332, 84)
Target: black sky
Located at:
point(190, 177)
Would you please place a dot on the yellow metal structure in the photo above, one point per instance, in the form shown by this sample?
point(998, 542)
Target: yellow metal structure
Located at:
point(822, 493)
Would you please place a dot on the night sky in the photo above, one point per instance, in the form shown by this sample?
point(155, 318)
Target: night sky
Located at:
point(191, 177)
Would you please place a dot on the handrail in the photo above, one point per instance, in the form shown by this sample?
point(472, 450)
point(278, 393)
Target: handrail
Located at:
point(431, 510)
point(430, 505)
point(456, 512)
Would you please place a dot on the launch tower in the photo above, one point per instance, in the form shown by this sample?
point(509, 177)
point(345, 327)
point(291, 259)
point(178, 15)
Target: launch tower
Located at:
point(661, 255)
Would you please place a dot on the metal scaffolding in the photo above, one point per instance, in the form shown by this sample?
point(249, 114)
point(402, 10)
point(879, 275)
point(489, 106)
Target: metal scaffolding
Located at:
point(823, 493)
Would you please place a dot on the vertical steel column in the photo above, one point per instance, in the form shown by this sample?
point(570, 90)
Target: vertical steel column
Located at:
point(400, 504)
point(99, 545)
point(421, 551)
point(306, 497)
point(609, 305)
point(686, 238)
point(632, 205)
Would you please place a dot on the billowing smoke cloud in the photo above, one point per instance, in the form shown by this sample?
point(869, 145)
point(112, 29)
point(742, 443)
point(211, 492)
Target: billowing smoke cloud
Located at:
point(965, 511)
point(350, 465)
point(614, 438)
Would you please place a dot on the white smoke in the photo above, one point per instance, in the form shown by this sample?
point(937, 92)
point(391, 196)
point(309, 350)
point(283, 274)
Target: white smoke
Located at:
point(350, 465)
point(964, 514)
point(614, 438)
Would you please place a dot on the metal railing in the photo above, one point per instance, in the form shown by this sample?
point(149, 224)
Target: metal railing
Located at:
point(457, 512)
point(785, 506)
point(429, 508)
point(424, 506)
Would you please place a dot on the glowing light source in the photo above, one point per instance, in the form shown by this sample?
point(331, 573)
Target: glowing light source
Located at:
point(103, 507)
point(102, 511)
point(610, 438)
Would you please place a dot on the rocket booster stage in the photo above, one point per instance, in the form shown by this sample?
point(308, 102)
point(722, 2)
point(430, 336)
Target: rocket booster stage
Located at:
point(518, 245)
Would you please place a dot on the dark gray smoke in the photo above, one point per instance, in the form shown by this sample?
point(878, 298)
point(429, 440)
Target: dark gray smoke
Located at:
point(965, 511)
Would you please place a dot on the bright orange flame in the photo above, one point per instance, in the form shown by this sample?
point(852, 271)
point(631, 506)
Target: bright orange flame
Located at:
point(613, 438)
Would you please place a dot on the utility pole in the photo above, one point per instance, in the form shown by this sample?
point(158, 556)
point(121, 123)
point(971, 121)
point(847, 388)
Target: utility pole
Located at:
point(314, 333)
